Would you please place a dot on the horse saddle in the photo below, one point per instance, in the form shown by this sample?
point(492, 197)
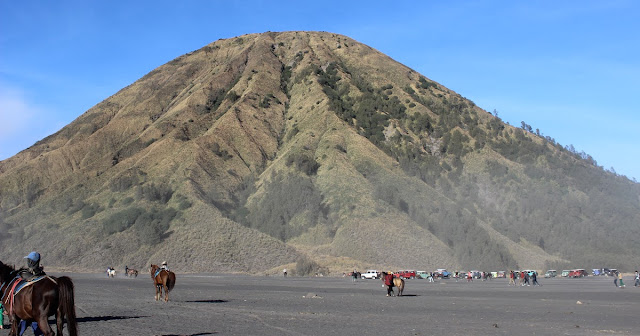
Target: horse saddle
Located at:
point(18, 283)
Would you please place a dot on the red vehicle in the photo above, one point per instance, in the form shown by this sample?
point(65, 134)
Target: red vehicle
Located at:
point(406, 274)
point(577, 273)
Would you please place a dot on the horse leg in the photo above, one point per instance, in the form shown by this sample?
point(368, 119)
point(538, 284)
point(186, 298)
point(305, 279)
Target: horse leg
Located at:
point(166, 293)
point(43, 324)
point(157, 292)
point(59, 320)
point(15, 323)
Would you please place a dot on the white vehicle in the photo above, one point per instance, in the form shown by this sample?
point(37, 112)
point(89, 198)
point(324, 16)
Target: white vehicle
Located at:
point(370, 274)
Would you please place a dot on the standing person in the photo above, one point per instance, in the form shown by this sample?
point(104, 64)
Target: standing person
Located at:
point(34, 325)
point(388, 281)
point(354, 275)
point(284, 272)
point(512, 279)
point(615, 279)
point(526, 279)
point(534, 279)
point(637, 283)
point(126, 270)
point(620, 279)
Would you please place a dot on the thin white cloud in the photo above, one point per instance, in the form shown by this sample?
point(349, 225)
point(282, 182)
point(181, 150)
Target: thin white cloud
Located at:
point(15, 112)
point(20, 121)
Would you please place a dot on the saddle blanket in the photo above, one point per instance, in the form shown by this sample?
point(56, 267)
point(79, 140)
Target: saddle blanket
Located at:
point(18, 283)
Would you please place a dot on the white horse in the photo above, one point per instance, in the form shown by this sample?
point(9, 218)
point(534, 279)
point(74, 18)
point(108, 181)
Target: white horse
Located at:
point(111, 272)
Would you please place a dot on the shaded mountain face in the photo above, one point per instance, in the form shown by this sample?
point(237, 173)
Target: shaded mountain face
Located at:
point(310, 151)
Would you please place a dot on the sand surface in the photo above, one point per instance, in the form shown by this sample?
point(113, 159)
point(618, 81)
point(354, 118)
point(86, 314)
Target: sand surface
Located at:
point(208, 304)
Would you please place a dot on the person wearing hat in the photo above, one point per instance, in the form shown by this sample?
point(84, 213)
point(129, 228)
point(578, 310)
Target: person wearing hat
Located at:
point(33, 266)
point(164, 266)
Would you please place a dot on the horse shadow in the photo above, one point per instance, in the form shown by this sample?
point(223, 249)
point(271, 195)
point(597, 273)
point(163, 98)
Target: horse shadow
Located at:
point(198, 334)
point(208, 301)
point(106, 318)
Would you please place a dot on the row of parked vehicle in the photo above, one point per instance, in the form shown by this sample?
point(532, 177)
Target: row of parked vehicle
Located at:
point(579, 272)
point(440, 273)
point(444, 274)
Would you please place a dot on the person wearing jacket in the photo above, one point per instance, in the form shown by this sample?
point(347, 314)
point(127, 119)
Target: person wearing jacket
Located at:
point(33, 266)
point(388, 281)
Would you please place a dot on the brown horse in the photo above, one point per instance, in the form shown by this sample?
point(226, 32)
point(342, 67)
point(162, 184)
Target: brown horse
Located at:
point(397, 282)
point(132, 272)
point(162, 279)
point(38, 301)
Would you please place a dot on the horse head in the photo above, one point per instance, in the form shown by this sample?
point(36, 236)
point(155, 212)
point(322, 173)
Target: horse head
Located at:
point(152, 270)
point(6, 272)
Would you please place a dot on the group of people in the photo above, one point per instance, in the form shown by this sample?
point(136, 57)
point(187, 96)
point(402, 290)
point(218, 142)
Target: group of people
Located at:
point(617, 280)
point(525, 278)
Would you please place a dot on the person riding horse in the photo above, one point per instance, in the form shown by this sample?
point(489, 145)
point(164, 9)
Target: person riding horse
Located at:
point(33, 267)
point(164, 266)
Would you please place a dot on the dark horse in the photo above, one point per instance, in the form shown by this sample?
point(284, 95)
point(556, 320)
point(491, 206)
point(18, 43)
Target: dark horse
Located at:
point(162, 279)
point(38, 301)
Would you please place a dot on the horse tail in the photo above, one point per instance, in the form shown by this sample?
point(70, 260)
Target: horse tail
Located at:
point(171, 280)
point(67, 304)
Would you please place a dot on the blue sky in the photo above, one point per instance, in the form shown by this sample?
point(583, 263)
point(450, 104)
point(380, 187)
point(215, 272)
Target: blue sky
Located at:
point(568, 68)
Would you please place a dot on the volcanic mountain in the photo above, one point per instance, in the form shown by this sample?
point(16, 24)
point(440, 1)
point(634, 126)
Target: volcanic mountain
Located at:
point(311, 151)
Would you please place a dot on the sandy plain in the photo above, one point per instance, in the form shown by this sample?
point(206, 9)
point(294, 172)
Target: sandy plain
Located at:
point(210, 304)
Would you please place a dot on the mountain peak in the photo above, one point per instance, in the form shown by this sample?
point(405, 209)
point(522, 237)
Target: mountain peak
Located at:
point(273, 149)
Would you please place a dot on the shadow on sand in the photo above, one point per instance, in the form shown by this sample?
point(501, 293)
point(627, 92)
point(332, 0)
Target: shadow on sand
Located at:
point(208, 301)
point(198, 334)
point(106, 318)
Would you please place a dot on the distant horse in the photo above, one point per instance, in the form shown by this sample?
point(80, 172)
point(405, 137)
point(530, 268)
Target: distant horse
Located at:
point(111, 272)
point(132, 272)
point(162, 279)
point(397, 282)
point(38, 300)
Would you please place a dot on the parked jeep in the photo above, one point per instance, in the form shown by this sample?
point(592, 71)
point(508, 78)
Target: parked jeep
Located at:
point(407, 274)
point(442, 273)
point(370, 274)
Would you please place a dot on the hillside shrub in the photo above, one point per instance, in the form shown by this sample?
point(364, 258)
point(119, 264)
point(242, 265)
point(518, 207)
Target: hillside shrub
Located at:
point(154, 192)
point(121, 220)
point(306, 266)
point(286, 197)
point(90, 210)
point(233, 96)
point(223, 153)
point(151, 226)
point(77, 206)
point(304, 163)
point(123, 183)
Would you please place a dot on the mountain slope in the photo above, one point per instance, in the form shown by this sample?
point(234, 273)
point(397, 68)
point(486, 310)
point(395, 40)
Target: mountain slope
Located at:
point(270, 149)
